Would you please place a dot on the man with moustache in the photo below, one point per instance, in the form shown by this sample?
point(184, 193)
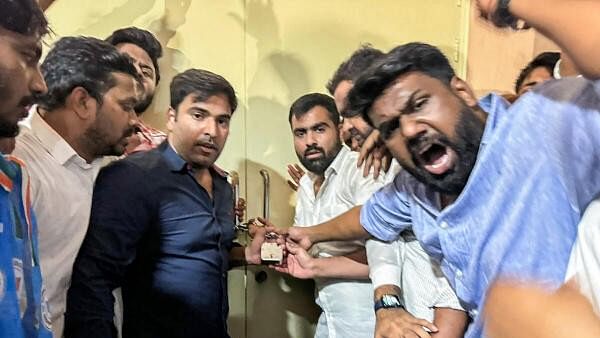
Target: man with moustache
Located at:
point(87, 113)
point(354, 128)
point(23, 308)
point(161, 227)
point(143, 47)
point(332, 185)
point(401, 267)
point(490, 191)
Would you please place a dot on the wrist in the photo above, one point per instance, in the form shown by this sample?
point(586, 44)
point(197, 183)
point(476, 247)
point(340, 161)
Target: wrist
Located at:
point(250, 257)
point(389, 301)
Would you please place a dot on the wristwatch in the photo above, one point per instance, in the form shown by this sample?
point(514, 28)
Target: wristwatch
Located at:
point(389, 301)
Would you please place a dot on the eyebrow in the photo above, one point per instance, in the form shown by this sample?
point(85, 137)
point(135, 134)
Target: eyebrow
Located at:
point(409, 102)
point(203, 110)
point(314, 126)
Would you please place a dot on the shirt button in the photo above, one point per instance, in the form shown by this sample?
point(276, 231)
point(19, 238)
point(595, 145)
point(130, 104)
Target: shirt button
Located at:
point(444, 225)
point(459, 274)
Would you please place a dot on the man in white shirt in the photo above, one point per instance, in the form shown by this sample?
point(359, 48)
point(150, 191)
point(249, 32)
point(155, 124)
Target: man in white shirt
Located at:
point(332, 186)
point(87, 113)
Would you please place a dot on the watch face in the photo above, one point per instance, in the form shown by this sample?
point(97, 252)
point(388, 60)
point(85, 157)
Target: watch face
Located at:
point(390, 301)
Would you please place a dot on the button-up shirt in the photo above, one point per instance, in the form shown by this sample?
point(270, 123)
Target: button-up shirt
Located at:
point(517, 216)
point(157, 233)
point(23, 307)
point(345, 302)
point(61, 196)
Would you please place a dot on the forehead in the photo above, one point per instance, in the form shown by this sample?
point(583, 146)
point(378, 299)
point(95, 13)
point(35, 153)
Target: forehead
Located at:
point(125, 85)
point(10, 39)
point(341, 91)
point(396, 96)
point(539, 73)
point(136, 52)
point(313, 116)
point(215, 104)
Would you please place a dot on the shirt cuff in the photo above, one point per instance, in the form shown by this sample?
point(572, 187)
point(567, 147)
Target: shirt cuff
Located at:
point(388, 274)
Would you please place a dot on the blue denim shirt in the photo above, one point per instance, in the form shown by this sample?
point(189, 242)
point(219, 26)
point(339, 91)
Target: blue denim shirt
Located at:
point(157, 233)
point(536, 171)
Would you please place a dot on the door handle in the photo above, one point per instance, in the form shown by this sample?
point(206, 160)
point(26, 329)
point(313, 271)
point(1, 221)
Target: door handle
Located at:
point(234, 181)
point(266, 198)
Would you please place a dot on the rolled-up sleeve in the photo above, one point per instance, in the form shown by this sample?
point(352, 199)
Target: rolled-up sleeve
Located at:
point(387, 212)
point(385, 262)
point(119, 217)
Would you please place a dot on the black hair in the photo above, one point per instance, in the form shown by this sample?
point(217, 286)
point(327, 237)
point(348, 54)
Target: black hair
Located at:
point(82, 62)
point(350, 69)
point(23, 17)
point(141, 38)
point(202, 84)
point(546, 60)
point(308, 101)
point(411, 57)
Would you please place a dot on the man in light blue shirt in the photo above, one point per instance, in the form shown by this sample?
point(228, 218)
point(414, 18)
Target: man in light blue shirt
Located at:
point(490, 191)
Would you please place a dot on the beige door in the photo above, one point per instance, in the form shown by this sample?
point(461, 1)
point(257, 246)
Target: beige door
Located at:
point(272, 51)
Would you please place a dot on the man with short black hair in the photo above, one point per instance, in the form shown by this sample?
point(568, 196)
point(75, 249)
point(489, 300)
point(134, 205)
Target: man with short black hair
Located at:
point(24, 310)
point(332, 185)
point(143, 47)
point(87, 113)
point(538, 70)
point(161, 227)
point(354, 129)
point(487, 188)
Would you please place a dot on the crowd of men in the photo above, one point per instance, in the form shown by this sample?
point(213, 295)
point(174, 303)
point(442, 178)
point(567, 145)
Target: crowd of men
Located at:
point(422, 210)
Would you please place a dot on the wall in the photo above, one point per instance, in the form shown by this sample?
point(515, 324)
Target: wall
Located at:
point(495, 57)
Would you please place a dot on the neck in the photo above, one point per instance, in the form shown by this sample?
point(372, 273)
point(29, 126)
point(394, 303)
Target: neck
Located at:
point(318, 182)
point(446, 200)
point(70, 130)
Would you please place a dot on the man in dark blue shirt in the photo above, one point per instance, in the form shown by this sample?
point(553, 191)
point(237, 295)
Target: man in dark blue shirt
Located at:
point(161, 227)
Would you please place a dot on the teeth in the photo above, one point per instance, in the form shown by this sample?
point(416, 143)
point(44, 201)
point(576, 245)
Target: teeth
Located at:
point(441, 161)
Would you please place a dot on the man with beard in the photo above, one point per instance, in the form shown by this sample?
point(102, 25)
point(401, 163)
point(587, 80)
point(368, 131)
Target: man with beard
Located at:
point(400, 267)
point(161, 227)
point(333, 185)
point(23, 308)
point(87, 113)
point(143, 47)
point(517, 216)
point(354, 128)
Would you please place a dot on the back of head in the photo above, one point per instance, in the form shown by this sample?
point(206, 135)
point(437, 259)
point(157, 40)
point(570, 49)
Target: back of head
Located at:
point(350, 69)
point(82, 62)
point(141, 38)
point(202, 84)
point(545, 60)
point(404, 59)
point(23, 17)
point(308, 101)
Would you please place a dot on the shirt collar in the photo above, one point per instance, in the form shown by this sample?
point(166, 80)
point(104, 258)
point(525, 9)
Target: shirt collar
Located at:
point(174, 160)
point(495, 106)
point(178, 164)
point(54, 144)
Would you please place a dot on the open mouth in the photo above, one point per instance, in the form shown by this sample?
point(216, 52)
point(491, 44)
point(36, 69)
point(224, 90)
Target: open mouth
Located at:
point(436, 158)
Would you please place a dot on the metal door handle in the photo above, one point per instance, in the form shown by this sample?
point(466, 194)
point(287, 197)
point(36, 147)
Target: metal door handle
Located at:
point(266, 187)
point(234, 181)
